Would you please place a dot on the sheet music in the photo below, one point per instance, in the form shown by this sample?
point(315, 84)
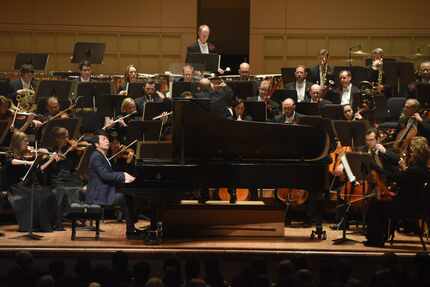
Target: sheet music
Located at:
point(347, 168)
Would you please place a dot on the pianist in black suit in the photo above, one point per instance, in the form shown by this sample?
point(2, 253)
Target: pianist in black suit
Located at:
point(25, 83)
point(273, 108)
point(300, 85)
point(289, 114)
point(102, 181)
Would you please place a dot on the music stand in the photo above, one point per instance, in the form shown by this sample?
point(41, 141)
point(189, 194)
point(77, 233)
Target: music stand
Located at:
point(48, 138)
point(204, 62)
point(135, 90)
point(152, 110)
point(357, 168)
point(310, 109)
point(91, 52)
point(423, 95)
point(351, 133)
point(282, 94)
point(257, 110)
point(60, 89)
point(243, 89)
point(105, 105)
point(37, 60)
point(88, 93)
point(332, 111)
point(4, 130)
point(180, 87)
point(143, 130)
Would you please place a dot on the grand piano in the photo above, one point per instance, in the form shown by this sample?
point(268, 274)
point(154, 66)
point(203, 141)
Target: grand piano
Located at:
point(209, 151)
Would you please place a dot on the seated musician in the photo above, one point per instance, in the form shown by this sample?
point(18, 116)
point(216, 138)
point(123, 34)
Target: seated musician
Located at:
point(289, 114)
point(102, 181)
point(20, 160)
point(410, 200)
point(24, 85)
point(272, 106)
point(323, 72)
point(245, 72)
point(130, 76)
point(187, 74)
point(423, 77)
point(375, 70)
point(66, 183)
point(86, 71)
point(238, 111)
point(411, 116)
point(349, 115)
point(300, 85)
point(150, 95)
point(315, 96)
point(346, 91)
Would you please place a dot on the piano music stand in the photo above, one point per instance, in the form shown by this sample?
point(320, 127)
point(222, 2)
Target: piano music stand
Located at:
point(91, 52)
point(359, 165)
point(37, 60)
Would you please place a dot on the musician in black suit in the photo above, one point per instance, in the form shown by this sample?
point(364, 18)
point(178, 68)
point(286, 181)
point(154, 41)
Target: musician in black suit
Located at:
point(272, 107)
point(300, 85)
point(412, 180)
point(375, 71)
point(289, 114)
point(25, 84)
point(102, 181)
point(315, 96)
point(344, 95)
point(323, 72)
point(150, 95)
point(423, 78)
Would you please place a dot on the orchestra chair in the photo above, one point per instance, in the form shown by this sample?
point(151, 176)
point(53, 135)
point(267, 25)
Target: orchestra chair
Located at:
point(82, 212)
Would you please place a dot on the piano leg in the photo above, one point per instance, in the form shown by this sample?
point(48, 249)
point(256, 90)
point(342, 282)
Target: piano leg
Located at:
point(316, 206)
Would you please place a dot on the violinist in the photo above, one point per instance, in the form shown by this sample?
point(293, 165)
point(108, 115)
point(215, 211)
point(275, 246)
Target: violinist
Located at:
point(20, 160)
point(130, 76)
point(66, 182)
point(412, 177)
point(123, 160)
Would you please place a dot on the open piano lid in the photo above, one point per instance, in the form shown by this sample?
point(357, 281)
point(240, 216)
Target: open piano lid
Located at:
point(200, 134)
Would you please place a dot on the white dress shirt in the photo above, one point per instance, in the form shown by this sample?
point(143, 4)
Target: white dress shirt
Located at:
point(204, 48)
point(346, 95)
point(301, 91)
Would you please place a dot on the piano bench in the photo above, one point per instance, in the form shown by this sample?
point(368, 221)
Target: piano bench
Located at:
point(78, 211)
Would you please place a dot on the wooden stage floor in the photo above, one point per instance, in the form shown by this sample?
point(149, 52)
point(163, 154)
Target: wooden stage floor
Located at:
point(296, 241)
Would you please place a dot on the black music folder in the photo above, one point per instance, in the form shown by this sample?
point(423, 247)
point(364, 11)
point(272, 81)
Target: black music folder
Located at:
point(257, 110)
point(204, 62)
point(281, 95)
point(152, 110)
point(48, 138)
point(60, 89)
point(91, 52)
point(243, 89)
point(178, 88)
point(310, 109)
point(143, 130)
point(109, 105)
point(351, 133)
point(332, 111)
point(135, 90)
point(37, 60)
point(423, 95)
point(87, 93)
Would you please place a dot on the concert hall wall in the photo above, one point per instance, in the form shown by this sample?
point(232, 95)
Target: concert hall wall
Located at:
point(285, 33)
point(153, 34)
